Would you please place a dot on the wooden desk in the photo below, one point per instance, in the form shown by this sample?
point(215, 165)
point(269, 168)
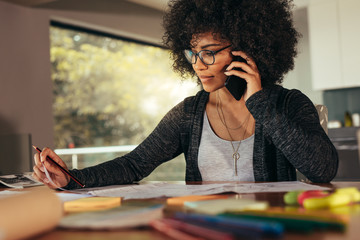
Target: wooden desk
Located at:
point(274, 199)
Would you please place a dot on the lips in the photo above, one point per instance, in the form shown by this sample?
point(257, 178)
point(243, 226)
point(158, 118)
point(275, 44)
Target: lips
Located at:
point(205, 78)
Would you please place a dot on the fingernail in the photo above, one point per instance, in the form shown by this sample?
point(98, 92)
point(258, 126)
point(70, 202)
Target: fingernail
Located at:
point(46, 180)
point(226, 73)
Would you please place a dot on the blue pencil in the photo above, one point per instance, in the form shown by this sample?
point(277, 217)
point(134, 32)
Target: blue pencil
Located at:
point(251, 228)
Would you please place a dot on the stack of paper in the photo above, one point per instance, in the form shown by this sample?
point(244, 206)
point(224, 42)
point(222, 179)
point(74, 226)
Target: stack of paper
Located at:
point(115, 218)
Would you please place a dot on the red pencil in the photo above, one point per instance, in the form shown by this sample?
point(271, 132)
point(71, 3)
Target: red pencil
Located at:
point(61, 168)
point(172, 232)
point(195, 230)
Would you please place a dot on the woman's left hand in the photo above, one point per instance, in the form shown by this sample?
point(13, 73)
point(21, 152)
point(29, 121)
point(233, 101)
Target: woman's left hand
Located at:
point(251, 73)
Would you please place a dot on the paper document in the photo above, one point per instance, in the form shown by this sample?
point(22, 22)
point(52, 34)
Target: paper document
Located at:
point(164, 189)
point(65, 197)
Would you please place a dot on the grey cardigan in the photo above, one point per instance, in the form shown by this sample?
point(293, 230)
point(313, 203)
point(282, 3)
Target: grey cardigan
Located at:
point(288, 136)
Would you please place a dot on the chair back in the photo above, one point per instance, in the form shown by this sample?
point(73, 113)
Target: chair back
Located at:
point(323, 116)
point(358, 142)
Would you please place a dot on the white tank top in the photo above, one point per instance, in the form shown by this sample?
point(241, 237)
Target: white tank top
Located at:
point(215, 157)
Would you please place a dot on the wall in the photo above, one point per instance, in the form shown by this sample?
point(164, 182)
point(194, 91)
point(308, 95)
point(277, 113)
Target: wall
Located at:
point(25, 83)
point(337, 101)
point(300, 78)
point(25, 86)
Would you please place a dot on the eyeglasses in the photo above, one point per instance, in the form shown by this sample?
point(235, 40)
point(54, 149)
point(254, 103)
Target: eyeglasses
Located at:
point(206, 56)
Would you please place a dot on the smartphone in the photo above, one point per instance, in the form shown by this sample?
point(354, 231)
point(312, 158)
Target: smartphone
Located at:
point(235, 84)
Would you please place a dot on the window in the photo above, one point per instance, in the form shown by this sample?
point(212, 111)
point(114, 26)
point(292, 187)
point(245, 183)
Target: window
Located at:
point(110, 91)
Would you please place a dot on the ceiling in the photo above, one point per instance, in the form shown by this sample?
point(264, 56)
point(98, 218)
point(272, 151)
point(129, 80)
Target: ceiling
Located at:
point(88, 5)
point(112, 5)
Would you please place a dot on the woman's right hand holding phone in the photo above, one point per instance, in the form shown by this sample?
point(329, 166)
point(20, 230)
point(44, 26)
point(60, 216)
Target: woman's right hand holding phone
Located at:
point(249, 73)
point(58, 177)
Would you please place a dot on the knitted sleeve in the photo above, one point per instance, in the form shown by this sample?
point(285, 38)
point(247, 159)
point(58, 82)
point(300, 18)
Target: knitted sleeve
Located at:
point(290, 121)
point(161, 145)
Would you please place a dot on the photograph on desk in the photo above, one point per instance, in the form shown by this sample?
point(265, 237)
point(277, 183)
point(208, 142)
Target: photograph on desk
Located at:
point(19, 180)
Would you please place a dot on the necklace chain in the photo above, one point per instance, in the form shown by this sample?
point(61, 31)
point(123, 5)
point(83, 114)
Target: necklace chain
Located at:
point(236, 154)
point(222, 119)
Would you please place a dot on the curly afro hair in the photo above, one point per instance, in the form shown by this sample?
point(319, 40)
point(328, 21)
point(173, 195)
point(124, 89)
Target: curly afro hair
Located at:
point(263, 29)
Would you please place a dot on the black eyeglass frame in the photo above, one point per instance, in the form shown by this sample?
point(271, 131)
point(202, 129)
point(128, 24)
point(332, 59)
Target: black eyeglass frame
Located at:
point(197, 55)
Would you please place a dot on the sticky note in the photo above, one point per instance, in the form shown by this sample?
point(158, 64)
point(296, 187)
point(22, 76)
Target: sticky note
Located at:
point(179, 201)
point(311, 194)
point(225, 205)
point(91, 204)
point(340, 197)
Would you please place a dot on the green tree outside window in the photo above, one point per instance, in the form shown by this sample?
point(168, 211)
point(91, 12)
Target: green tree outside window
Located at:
point(108, 91)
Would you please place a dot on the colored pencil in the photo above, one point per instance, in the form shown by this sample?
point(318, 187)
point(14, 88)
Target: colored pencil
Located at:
point(240, 227)
point(208, 233)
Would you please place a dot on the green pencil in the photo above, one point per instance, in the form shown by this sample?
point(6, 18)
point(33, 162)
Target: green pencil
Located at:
point(291, 224)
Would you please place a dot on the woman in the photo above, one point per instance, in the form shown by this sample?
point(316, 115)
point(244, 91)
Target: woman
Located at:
point(265, 136)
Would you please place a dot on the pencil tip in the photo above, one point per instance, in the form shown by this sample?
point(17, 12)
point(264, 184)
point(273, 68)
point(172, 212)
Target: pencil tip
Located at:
point(34, 146)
